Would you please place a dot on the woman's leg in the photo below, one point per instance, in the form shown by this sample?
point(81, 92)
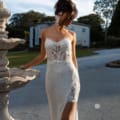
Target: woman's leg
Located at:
point(69, 111)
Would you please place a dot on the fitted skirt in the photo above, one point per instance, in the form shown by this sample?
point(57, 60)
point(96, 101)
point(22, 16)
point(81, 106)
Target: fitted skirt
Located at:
point(62, 83)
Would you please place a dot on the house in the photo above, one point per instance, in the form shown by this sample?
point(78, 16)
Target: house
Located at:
point(82, 34)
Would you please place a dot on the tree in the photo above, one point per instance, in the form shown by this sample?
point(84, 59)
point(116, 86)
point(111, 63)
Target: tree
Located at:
point(95, 22)
point(105, 8)
point(48, 19)
point(21, 22)
point(114, 28)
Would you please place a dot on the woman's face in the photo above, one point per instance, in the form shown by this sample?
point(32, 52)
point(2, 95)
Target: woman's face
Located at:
point(66, 18)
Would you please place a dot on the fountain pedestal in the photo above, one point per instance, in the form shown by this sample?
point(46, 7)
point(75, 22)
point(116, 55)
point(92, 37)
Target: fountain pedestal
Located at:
point(18, 78)
point(4, 101)
point(10, 78)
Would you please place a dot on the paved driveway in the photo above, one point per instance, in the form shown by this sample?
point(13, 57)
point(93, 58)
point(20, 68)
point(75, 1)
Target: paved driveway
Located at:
point(99, 96)
point(99, 60)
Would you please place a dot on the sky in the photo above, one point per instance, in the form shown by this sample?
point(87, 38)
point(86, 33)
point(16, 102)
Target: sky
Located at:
point(85, 7)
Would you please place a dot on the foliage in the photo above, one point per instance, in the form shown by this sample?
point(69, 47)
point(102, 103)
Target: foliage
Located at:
point(114, 28)
point(95, 22)
point(113, 41)
point(21, 22)
point(105, 9)
point(25, 19)
point(48, 19)
point(91, 19)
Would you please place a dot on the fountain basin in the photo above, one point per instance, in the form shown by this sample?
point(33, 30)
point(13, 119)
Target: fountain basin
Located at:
point(6, 44)
point(17, 78)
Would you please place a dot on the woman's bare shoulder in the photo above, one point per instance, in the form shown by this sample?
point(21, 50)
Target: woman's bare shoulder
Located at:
point(43, 34)
point(46, 30)
point(72, 32)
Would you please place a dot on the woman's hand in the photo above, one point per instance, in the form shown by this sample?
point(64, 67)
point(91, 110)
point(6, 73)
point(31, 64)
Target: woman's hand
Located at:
point(22, 67)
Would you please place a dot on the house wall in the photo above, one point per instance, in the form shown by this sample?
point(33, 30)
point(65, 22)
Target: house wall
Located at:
point(82, 34)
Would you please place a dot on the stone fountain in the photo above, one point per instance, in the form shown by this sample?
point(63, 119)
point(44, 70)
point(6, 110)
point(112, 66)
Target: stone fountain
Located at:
point(10, 78)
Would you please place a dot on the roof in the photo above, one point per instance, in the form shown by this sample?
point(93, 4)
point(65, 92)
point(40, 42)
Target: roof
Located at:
point(50, 23)
point(82, 24)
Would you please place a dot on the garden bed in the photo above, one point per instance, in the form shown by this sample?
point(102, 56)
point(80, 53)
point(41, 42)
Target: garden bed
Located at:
point(115, 64)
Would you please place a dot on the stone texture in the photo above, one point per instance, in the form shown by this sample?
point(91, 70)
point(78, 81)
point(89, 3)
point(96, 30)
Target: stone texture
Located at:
point(17, 78)
point(4, 12)
point(6, 44)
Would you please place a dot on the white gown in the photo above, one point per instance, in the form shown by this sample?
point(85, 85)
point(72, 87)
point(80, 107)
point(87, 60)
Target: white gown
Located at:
point(62, 80)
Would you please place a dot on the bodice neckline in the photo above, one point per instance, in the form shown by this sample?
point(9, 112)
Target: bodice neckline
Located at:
point(65, 38)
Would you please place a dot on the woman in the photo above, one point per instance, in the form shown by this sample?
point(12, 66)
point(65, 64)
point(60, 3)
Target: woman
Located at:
point(62, 79)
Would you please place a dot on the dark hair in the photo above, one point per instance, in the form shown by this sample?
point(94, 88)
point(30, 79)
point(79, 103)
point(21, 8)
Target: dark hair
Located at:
point(65, 6)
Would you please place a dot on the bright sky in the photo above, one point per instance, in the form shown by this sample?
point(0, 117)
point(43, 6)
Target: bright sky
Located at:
point(85, 7)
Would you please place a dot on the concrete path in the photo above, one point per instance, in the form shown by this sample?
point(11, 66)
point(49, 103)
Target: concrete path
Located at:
point(99, 96)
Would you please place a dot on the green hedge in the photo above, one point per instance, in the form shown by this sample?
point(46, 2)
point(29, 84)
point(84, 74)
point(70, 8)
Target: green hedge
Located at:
point(113, 41)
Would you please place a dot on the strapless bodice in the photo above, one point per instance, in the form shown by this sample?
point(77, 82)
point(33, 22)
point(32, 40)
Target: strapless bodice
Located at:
point(58, 50)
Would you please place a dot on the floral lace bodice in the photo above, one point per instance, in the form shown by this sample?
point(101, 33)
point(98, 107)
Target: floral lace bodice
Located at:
point(58, 51)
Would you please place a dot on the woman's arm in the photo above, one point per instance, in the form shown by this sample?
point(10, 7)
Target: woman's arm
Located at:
point(41, 57)
point(74, 50)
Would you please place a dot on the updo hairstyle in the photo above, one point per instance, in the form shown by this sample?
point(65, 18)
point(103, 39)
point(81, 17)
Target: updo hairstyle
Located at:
point(63, 6)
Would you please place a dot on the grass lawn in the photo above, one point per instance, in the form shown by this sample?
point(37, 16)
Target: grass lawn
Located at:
point(18, 58)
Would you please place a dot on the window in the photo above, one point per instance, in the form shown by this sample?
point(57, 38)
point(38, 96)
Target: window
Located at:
point(83, 30)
